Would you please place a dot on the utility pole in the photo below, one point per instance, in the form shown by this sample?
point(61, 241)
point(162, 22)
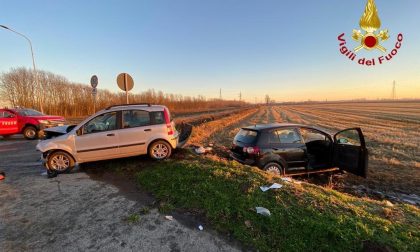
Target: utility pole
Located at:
point(394, 92)
point(240, 96)
point(220, 94)
point(33, 64)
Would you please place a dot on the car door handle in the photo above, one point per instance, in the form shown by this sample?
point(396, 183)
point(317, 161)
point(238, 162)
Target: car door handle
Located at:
point(148, 130)
point(112, 134)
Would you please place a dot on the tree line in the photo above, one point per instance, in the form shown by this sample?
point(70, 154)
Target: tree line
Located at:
point(59, 96)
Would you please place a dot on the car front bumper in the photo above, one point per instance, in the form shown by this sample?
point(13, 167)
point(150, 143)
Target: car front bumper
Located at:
point(43, 126)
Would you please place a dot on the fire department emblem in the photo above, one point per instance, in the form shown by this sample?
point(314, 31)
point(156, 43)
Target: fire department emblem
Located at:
point(370, 23)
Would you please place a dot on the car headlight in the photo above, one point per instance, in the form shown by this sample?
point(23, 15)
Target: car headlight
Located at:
point(44, 121)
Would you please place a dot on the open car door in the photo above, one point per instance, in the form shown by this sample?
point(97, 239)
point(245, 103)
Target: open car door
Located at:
point(350, 153)
point(184, 135)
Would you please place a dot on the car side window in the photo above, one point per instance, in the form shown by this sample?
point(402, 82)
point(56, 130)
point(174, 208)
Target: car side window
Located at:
point(135, 118)
point(273, 137)
point(6, 114)
point(157, 117)
point(310, 135)
point(349, 137)
point(104, 122)
point(288, 136)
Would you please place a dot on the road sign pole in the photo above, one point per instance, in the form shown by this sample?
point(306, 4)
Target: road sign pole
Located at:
point(94, 104)
point(125, 83)
point(94, 84)
point(125, 86)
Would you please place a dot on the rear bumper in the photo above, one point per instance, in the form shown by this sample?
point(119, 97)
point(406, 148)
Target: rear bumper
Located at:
point(241, 159)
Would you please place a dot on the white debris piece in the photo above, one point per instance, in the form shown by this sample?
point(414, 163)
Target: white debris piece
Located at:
point(200, 150)
point(388, 203)
point(263, 211)
point(273, 186)
point(169, 217)
point(287, 179)
point(44, 173)
point(200, 227)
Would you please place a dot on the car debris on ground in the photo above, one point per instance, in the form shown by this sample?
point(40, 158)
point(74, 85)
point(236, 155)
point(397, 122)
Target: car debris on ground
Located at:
point(263, 211)
point(2, 175)
point(273, 186)
point(202, 150)
point(169, 217)
point(290, 180)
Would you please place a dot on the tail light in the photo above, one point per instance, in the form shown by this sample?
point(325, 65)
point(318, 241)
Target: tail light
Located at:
point(168, 122)
point(252, 150)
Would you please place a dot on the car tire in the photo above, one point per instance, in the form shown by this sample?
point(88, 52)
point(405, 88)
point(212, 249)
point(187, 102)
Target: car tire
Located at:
point(60, 162)
point(30, 133)
point(160, 150)
point(274, 168)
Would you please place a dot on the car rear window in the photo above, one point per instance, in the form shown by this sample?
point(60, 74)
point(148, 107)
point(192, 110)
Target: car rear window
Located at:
point(246, 136)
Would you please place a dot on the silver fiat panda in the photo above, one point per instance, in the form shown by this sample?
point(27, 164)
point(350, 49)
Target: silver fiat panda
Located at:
point(115, 132)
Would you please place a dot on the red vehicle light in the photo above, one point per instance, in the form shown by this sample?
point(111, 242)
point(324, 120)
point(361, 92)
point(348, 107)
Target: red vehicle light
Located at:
point(252, 150)
point(168, 122)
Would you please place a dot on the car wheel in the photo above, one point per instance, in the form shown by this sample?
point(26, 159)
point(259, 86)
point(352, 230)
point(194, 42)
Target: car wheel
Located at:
point(30, 133)
point(273, 168)
point(160, 150)
point(60, 162)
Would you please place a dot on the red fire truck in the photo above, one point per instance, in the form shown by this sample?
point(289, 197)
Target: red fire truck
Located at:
point(28, 122)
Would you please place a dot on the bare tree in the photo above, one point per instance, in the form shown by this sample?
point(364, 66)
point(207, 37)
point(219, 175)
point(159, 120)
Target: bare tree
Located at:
point(62, 97)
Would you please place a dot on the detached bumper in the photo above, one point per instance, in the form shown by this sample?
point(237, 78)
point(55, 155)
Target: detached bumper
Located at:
point(42, 158)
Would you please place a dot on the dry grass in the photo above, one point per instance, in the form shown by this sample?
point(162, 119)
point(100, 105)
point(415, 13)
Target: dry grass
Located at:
point(392, 132)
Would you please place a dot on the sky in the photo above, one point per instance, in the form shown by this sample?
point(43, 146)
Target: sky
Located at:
point(287, 49)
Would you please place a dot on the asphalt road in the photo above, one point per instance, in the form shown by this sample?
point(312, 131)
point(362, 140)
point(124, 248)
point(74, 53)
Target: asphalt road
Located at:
point(74, 212)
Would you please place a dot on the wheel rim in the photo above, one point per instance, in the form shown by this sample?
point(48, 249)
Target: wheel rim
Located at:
point(273, 169)
point(30, 133)
point(160, 151)
point(60, 162)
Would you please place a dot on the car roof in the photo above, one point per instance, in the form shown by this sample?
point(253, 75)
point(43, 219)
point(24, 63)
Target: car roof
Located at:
point(269, 126)
point(147, 107)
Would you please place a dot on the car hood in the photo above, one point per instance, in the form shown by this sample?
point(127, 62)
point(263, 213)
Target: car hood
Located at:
point(47, 117)
point(58, 131)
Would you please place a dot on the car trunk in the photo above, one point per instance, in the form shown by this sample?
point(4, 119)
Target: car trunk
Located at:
point(245, 138)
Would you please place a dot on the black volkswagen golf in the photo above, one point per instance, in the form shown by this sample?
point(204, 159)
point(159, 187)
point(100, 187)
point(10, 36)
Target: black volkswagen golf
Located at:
point(288, 149)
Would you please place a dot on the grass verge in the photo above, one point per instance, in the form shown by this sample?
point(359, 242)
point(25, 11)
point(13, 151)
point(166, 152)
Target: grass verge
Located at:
point(304, 217)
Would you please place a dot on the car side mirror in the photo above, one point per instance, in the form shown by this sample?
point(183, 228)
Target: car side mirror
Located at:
point(342, 140)
point(79, 132)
